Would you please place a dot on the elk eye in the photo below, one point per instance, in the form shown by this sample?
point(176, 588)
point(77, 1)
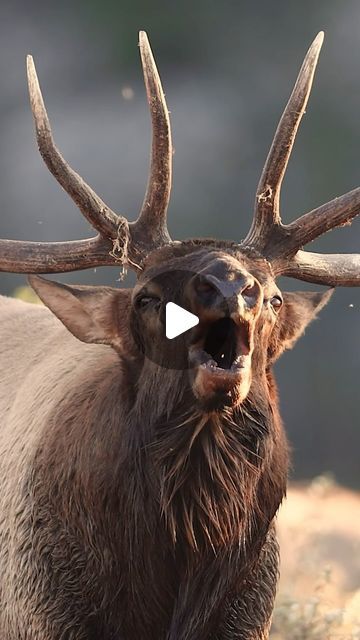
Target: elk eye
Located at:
point(276, 303)
point(145, 301)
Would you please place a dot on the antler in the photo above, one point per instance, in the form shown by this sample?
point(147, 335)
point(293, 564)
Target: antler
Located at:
point(118, 241)
point(281, 243)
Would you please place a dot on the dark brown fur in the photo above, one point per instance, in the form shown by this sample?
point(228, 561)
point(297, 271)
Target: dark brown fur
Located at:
point(128, 510)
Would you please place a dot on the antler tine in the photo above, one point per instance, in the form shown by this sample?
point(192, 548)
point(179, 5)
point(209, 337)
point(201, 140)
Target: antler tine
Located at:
point(267, 211)
point(335, 270)
point(110, 246)
point(118, 241)
point(281, 244)
point(336, 213)
point(103, 219)
point(151, 227)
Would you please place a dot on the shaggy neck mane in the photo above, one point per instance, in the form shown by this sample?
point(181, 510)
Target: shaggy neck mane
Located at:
point(197, 493)
point(212, 476)
point(207, 474)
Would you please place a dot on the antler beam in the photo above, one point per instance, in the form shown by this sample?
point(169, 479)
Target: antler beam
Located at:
point(118, 241)
point(54, 257)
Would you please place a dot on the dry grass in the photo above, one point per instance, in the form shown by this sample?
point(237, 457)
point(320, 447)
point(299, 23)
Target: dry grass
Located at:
point(319, 592)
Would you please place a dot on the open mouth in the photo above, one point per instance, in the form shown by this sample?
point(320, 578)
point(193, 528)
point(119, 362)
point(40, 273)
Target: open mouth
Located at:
point(221, 348)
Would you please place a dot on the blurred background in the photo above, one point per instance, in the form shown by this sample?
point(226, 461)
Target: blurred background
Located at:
point(228, 68)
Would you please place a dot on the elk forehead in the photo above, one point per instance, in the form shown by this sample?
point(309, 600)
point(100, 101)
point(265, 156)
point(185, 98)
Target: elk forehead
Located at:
point(208, 278)
point(224, 260)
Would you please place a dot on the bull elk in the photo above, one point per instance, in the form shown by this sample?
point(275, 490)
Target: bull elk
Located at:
point(140, 477)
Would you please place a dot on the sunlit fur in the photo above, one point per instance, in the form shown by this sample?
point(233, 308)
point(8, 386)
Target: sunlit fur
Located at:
point(127, 512)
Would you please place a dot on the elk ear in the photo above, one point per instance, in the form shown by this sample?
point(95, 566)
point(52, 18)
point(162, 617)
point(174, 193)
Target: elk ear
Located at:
point(91, 314)
point(298, 310)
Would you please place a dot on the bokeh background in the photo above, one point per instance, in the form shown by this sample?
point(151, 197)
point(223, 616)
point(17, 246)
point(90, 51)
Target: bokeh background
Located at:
point(228, 68)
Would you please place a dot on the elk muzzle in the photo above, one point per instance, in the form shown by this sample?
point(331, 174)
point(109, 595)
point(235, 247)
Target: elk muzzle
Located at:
point(228, 306)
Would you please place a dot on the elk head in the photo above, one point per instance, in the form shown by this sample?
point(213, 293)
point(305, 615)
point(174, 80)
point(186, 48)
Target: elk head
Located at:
point(245, 321)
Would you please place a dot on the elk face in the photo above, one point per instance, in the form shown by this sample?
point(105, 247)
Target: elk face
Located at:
point(220, 289)
point(245, 322)
point(238, 305)
point(228, 299)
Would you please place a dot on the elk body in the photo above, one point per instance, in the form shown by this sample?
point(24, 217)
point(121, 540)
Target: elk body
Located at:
point(140, 477)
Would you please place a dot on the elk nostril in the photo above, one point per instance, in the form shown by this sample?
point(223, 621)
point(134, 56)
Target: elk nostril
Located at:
point(251, 292)
point(204, 287)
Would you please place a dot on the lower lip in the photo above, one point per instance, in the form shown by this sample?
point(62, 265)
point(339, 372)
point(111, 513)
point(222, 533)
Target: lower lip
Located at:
point(211, 380)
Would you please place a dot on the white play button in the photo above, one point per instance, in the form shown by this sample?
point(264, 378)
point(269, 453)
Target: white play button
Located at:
point(178, 320)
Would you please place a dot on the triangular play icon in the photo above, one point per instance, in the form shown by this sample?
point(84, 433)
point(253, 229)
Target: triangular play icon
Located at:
point(178, 320)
